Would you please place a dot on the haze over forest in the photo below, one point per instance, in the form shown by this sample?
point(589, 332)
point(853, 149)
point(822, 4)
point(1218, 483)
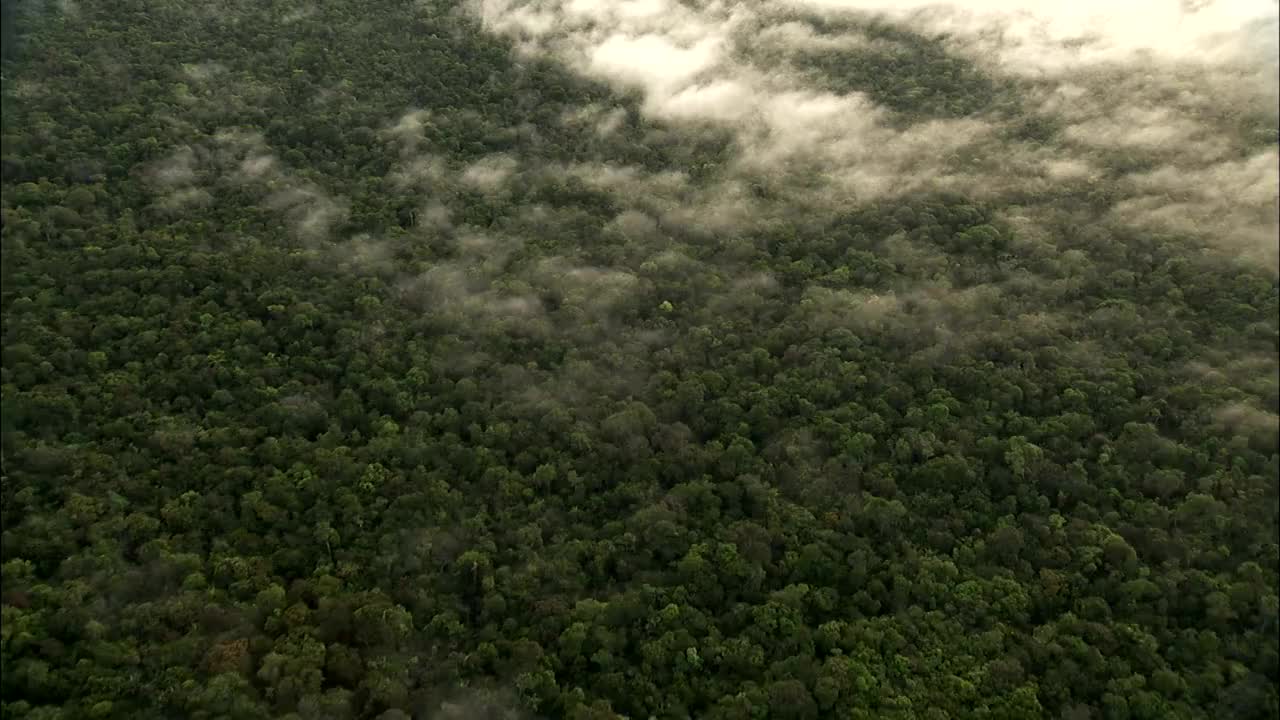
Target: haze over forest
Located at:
point(640, 359)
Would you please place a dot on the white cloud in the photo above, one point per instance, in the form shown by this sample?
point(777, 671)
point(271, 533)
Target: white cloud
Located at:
point(655, 62)
point(1155, 81)
point(1249, 421)
point(1232, 204)
point(176, 170)
point(1050, 36)
point(488, 173)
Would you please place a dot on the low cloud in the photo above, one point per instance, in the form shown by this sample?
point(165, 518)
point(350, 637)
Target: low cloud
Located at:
point(1052, 37)
point(195, 176)
point(1249, 421)
point(184, 199)
point(591, 290)
point(605, 121)
point(178, 170)
point(424, 172)
point(489, 173)
point(1233, 204)
point(311, 212)
point(408, 130)
point(203, 72)
point(1134, 89)
point(461, 296)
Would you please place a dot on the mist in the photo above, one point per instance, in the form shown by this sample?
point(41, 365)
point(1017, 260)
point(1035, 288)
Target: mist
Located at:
point(1163, 81)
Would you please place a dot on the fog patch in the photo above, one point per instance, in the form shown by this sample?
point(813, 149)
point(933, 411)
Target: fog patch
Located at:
point(855, 310)
point(462, 296)
point(477, 704)
point(594, 290)
point(425, 172)
point(202, 72)
point(364, 253)
point(681, 58)
point(930, 312)
point(183, 199)
point(604, 121)
point(1114, 85)
point(721, 100)
point(1249, 421)
point(175, 171)
point(634, 183)
point(408, 131)
point(489, 173)
point(654, 62)
point(749, 292)
point(791, 36)
point(634, 226)
point(297, 15)
point(434, 215)
point(310, 211)
point(1135, 128)
point(488, 252)
point(176, 178)
point(925, 259)
point(1232, 205)
point(1055, 36)
point(1068, 169)
point(1254, 373)
point(27, 89)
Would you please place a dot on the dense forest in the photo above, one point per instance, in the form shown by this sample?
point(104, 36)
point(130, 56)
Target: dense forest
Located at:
point(360, 362)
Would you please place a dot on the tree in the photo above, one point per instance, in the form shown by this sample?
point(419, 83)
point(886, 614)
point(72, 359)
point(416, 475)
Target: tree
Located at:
point(791, 699)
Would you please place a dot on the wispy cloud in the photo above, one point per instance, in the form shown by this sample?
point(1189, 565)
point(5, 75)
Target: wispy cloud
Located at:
point(1143, 94)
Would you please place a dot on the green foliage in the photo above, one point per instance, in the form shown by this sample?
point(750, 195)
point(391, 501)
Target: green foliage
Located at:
point(253, 474)
point(914, 75)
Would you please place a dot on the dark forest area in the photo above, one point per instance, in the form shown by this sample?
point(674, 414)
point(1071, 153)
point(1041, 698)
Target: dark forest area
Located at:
point(358, 364)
